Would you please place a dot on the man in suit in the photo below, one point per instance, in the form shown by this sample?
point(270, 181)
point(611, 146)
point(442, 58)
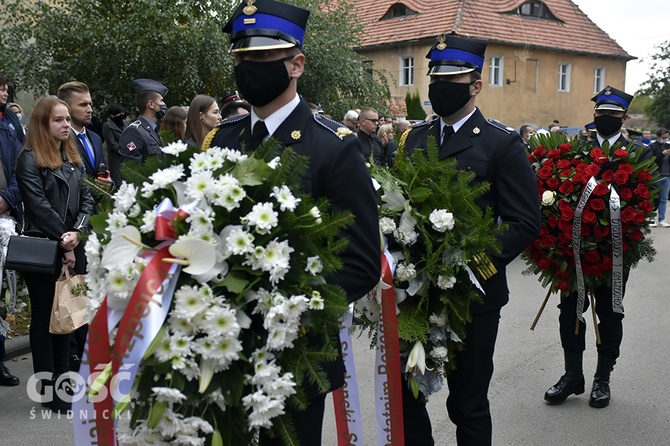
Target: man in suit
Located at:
point(140, 139)
point(266, 40)
point(609, 116)
point(111, 133)
point(496, 154)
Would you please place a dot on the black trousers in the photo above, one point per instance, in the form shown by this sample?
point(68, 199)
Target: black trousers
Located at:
point(467, 403)
point(308, 424)
point(610, 326)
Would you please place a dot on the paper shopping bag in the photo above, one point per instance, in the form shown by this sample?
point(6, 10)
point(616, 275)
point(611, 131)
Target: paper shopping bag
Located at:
point(70, 303)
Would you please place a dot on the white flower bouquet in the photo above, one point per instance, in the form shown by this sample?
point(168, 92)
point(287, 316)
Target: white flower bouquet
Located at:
point(438, 238)
point(251, 319)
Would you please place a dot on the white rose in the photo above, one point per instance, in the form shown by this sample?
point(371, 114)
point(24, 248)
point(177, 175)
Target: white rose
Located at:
point(548, 197)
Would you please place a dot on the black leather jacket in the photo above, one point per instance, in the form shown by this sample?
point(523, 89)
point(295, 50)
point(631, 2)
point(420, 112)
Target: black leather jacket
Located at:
point(48, 195)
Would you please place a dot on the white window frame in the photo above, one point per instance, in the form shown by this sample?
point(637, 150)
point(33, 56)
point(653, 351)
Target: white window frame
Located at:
point(496, 64)
point(406, 71)
point(598, 79)
point(564, 70)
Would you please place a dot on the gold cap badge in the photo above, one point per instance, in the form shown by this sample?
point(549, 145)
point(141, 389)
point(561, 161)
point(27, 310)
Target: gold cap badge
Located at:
point(250, 9)
point(295, 134)
point(608, 91)
point(441, 44)
point(476, 130)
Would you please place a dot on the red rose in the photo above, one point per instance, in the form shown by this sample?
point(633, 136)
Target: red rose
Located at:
point(640, 217)
point(545, 172)
point(635, 234)
point(607, 175)
point(589, 217)
point(646, 206)
point(565, 148)
point(554, 153)
point(628, 214)
point(598, 156)
point(597, 204)
point(601, 231)
point(562, 285)
point(552, 183)
point(544, 263)
point(626, 193)
point(566, 188)
point(625, 167)
point(643, 176)
point(580, 179)
point(540, 152)
point(562, 224)
point(601, 189)
point(642, 191)
point(577, 162)
point(565, 173)
point(592, 169)
point(621, 177)
point(606, 263)
point(552, 221)
point(586, 230)
point(592, 256)
point(549, 162)
point(563, 164)
point(620, 153)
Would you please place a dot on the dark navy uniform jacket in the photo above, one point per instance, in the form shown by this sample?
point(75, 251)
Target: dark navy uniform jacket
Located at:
point(138, 141)
point(337, 172)
point(497, 155)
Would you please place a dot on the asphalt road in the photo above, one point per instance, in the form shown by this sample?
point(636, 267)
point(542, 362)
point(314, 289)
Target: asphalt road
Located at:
point(527, 363)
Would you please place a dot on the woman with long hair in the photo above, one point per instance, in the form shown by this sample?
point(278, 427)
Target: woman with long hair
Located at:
point(173, 124)
point(203, 116)
point(58, 206)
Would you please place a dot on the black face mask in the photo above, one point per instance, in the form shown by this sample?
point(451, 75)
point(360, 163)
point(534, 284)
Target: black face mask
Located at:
point(118, 120)
point(261, 82)
point(607, 125)
point(160, 113)
point(448, 97)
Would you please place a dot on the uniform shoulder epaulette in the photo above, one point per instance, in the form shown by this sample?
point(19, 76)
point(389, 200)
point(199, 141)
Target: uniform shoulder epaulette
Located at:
point(232, 119)
point(336, 128)
point(422, 124)
point(207, 142)
point(403, 138)
point(500, 126)
point(135, 124)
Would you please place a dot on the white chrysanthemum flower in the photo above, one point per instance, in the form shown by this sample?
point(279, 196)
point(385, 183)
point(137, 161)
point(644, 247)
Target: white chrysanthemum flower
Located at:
point(274, 258)
point(316, 301)
point(180, 344)
point(115, 221)
point(240, 241)
point(182, 325)
point(405, 271)
point(439, 321)
point(439, 352)
point(162, 178)
point(190, 301)
point(217, 398)
point(125, 197)
point(274, 163)
point(191, 370)
point(198, 184)
point(296, 305)
point(175, 148)
point(201, 220)
point(92, 251)
point(286, 200)
point(442, 220)
point(314, 265)
point(221, 321)
point(119, 288)
point(233, 155)
point(187, 440)
point(282, 386)
point(263, 409)
point(195, 424)
point(263, 217)
point(446, 283)
point(226, 351)
point(134, 210)
point(407, 238)
point(316, 213)
point(148, 221)
point(387, 225)
point(163, 352)
point(167, 395)
point(148, 189)
point(199, 162)
point(205, 346)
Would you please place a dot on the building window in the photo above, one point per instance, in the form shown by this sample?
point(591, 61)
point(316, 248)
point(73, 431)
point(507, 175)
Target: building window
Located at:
point(496, 70)
point(535, 9)
point(398, 10)
point(598, 79)
point(564, 77)
point(406, 71)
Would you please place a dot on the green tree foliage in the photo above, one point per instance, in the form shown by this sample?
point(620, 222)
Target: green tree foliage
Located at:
point(107, 43)
point(414, 108)
point(658, 86)
point(640, 104)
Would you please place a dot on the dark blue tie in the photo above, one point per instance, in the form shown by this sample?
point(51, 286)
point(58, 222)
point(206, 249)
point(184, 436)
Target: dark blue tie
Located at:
point(91, 155)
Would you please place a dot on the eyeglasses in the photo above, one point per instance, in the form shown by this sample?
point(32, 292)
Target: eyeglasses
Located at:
point(376, 121)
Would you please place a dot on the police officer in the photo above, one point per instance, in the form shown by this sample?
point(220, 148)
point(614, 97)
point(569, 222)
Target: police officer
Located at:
point(608, 118)
point(140, 139)
point(496, 154)
point(266, 39)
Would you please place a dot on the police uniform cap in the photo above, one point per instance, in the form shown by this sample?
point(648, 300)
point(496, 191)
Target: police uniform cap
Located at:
point(455, 55)
point(140, 85)
point(590, 126)
point(266, 24)
point(612, 99)
point(231, 97)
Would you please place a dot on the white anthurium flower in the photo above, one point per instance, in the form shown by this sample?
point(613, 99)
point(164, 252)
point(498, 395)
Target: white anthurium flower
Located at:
point(376, 184)
point(200, 255)
point(417, 359)
point(206, 374)
point(407, 222)
point(124, 245)
point(243, 320)
point(393, 200)
point(219, 269)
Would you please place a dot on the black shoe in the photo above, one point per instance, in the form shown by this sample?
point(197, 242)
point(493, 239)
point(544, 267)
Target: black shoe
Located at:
point(600, 394)
point(57, 404)
point(569, 384)
point(7, 379)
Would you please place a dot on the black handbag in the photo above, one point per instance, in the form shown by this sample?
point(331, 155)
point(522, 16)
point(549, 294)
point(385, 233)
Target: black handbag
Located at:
point(32, 255)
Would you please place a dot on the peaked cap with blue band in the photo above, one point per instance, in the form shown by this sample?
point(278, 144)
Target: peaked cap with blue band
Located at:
point(591, 126)
point(140, 85)
point(265, 25)
point(455, 55)
point(612, 99)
